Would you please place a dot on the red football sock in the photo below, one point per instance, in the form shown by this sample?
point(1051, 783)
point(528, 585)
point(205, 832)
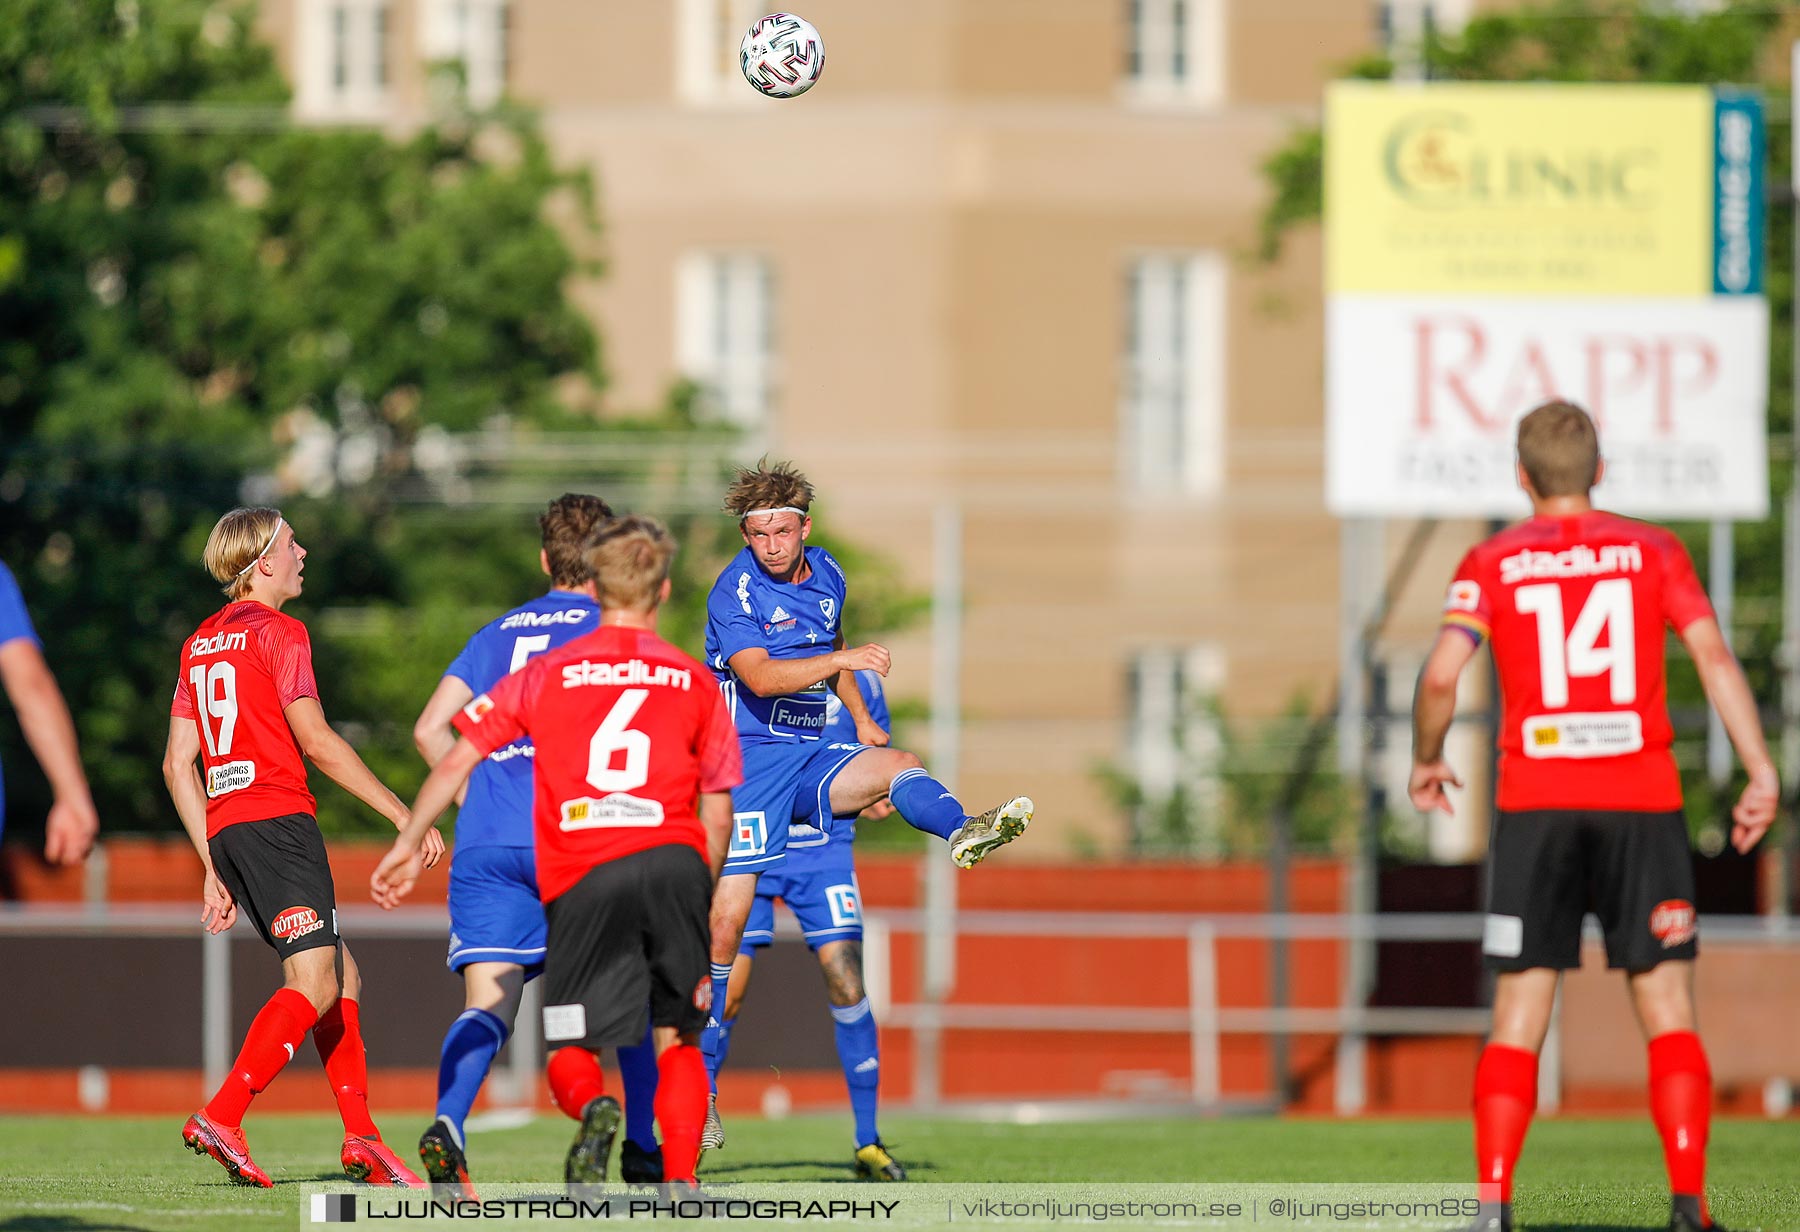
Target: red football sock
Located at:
point(275, 1032)
point(338, 1037)
point(1681, 1106)
point(1505, 1098)
point(681, 1109)
point(575, 1079)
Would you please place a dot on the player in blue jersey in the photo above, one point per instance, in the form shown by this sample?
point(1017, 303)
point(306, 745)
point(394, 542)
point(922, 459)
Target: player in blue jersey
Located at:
point(818, 884)
point(44, 718)
point(774, 638)
point(497, 928)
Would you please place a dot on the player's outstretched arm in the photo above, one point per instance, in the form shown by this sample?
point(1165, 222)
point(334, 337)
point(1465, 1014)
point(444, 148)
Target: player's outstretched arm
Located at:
point(217, 909)
point(1434, 706)
point(44, 718)
point(433, 734)
point(1730, 695)
point(768, 677)
point(393, 878)
point(849, 691)
point(332, 754)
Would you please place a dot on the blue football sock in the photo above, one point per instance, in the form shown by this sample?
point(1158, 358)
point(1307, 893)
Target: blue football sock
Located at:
point(725, 1040)
point(859, 1052)
point(709, 1038)
point(637, 1067)
point(926, 804)
point(470, 1046)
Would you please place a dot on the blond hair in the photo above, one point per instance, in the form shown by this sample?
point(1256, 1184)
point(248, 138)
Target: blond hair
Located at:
point(767, 487)
point(630, 560)
point(1559, 449)
point(568, 525)
point(239, 540)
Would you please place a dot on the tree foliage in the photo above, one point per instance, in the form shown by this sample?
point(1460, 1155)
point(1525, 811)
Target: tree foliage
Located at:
point(201, 304)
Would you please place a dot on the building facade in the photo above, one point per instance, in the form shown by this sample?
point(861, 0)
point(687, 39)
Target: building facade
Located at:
point(998, 266)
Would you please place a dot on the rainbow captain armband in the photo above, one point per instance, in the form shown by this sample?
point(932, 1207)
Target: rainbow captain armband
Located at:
point(1468, 622)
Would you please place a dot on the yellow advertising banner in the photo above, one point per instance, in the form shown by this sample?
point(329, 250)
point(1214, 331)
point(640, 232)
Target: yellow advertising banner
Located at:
point(1519, 190)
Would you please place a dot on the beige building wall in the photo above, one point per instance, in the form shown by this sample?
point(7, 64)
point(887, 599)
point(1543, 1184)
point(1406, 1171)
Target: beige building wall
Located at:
point(948, 218)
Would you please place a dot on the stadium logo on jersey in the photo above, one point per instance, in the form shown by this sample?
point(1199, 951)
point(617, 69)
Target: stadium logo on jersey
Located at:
point(229, 777)
point(1465, 596)
point(540, 620)
point(295, 923)
point(216, 643)
point(632, 671)
point(479, 708)
point(1575, 562)
point(743, 593)
point(1672, 922)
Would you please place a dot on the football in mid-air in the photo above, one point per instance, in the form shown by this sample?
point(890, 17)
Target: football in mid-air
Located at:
point(782, 55)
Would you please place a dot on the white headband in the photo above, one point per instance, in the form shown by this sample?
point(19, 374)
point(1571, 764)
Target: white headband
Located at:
point(757, 513)
point(279, 523)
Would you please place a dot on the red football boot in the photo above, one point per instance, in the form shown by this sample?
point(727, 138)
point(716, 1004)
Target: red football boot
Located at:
point(205, 1137)
point(368, 1159)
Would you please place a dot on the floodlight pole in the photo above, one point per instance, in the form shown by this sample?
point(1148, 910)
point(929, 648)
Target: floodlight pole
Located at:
point(1781, 885)
point(939, 975)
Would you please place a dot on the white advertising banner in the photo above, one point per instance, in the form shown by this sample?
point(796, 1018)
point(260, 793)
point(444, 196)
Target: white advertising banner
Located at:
point(1425, 393)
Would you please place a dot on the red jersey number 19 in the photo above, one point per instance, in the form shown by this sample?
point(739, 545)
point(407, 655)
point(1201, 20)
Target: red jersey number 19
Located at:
point(215, 694)
point(1608, 610)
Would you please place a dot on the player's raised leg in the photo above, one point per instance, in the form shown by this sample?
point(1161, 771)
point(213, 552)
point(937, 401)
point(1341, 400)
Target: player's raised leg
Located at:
point(927, 804)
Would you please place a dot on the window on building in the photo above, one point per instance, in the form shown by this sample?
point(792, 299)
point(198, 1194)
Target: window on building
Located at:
point(1175, 50)
point(709, 32)
point(1402, 26)
point(1173, 379)
point(725, 334)
point(475, 34)
point(342, 51)
point(1176, 745)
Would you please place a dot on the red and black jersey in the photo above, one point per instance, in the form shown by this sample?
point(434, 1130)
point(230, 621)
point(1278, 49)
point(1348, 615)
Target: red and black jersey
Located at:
point(240, 670)
point(1576, 608)
point(628, 732)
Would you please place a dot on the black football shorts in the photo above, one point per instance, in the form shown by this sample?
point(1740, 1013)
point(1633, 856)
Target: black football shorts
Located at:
point(277, 871)
point(633, 932)
point(1548, 868)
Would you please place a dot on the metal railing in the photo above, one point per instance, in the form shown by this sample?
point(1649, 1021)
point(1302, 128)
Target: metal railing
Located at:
point(1202, 1019)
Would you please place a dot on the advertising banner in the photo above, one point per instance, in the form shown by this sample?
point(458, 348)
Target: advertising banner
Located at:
point(1491, 246)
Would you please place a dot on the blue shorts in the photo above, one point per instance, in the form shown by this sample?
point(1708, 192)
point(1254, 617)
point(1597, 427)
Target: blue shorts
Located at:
point(818, 884)
point(783, 781)
point(495, 912)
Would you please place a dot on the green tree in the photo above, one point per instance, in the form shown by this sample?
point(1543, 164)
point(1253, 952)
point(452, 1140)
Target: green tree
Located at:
point(201, 304)
point(1626, 41)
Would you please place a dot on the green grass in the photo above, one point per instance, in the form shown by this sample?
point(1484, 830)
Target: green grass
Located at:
point(131, 1173)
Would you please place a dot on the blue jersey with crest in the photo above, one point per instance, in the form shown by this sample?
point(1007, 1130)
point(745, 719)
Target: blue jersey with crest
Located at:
point(497, 810)
point(749, 609)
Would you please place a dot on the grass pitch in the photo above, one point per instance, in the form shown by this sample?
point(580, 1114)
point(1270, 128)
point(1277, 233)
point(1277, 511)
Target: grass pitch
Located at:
point(72, 1173)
